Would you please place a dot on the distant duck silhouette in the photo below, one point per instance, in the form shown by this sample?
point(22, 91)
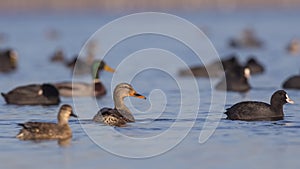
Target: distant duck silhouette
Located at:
point(254, 66)
point(236, 79)
point(58, 56)
point(215, 69)
point(76, 89)
point(33, 94)
point(8, 60)
point(294, 47)
point(292, 82)
point(82, 65)
point(120, 115)
point(79, 64)
point(254, 110)
point(248, 39)
point(52, 34)
point(42, 130)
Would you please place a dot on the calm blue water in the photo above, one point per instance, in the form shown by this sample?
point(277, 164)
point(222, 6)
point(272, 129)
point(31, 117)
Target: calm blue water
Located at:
point(234, 144)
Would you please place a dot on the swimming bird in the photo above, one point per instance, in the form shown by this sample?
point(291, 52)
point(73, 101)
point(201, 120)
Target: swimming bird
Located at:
point(254, 66)
point(215, 69)
point(43, 130)
point(33, 94)
point(8, 60)
point(292, 82)
point(119, 115)
point(248, 39)
point(77, 89)
point(236, 79)
point(254, 110)
point(294, 47)
point(58, 56)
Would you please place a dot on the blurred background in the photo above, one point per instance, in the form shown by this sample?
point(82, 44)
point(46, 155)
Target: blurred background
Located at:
point(48, 35)
point(137, 5)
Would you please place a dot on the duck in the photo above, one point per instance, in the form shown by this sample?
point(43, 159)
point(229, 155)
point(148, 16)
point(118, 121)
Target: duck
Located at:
point(33, 94)
point(255, 110)
point(215, 69)
point(120, 115)
point(8, 60)
point(58, 56)
point(43, 130)
point(254, 66)
point(82, 89)
point(81, 65)
point(248, 39)
point(236, 80)
point(293, 47)
point(292, 82)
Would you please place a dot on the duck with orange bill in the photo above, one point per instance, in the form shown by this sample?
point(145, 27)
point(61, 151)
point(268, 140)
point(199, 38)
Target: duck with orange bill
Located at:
point(120, 115)
point(77, 89)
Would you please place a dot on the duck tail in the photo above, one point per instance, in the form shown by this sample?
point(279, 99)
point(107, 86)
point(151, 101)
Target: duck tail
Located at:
point(4, 96)
point(21, 124)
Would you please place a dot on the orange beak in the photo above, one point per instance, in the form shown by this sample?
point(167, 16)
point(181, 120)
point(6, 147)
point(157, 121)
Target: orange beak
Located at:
point(108, 68)
point(135, 94)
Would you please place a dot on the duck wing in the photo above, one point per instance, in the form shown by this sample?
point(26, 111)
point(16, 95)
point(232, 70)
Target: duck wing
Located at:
point(110, 117)
point(38, 127)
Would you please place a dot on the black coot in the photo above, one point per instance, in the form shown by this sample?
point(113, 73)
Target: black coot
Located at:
point(34, 94)
point(254, 110)
point(254, 66)
point(236, 79)
point(215, 69)
point(292, 83)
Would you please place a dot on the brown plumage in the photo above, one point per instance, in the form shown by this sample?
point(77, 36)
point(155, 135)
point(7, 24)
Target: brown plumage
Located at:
point(40, 130)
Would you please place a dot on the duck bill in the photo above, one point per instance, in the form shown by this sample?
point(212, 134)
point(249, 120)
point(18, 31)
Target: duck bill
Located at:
point(138, 95)
point(73, 115)
point(108, 68)
point(289, 100)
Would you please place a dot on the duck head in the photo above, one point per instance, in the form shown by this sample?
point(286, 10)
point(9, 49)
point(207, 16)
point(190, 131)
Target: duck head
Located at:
point(64, 114)
point(98, 66)
point(123, 90)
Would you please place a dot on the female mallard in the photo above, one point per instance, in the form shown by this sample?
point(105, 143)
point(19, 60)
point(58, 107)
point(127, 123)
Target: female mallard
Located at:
point(119, 115)
point(8, 60)
point(40, 130)
point(33, 94)
point(76, 89)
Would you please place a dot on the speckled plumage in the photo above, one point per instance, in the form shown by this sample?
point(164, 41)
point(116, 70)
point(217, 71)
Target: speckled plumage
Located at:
point(110, 117)
point(120, 115)
point(41, 130)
